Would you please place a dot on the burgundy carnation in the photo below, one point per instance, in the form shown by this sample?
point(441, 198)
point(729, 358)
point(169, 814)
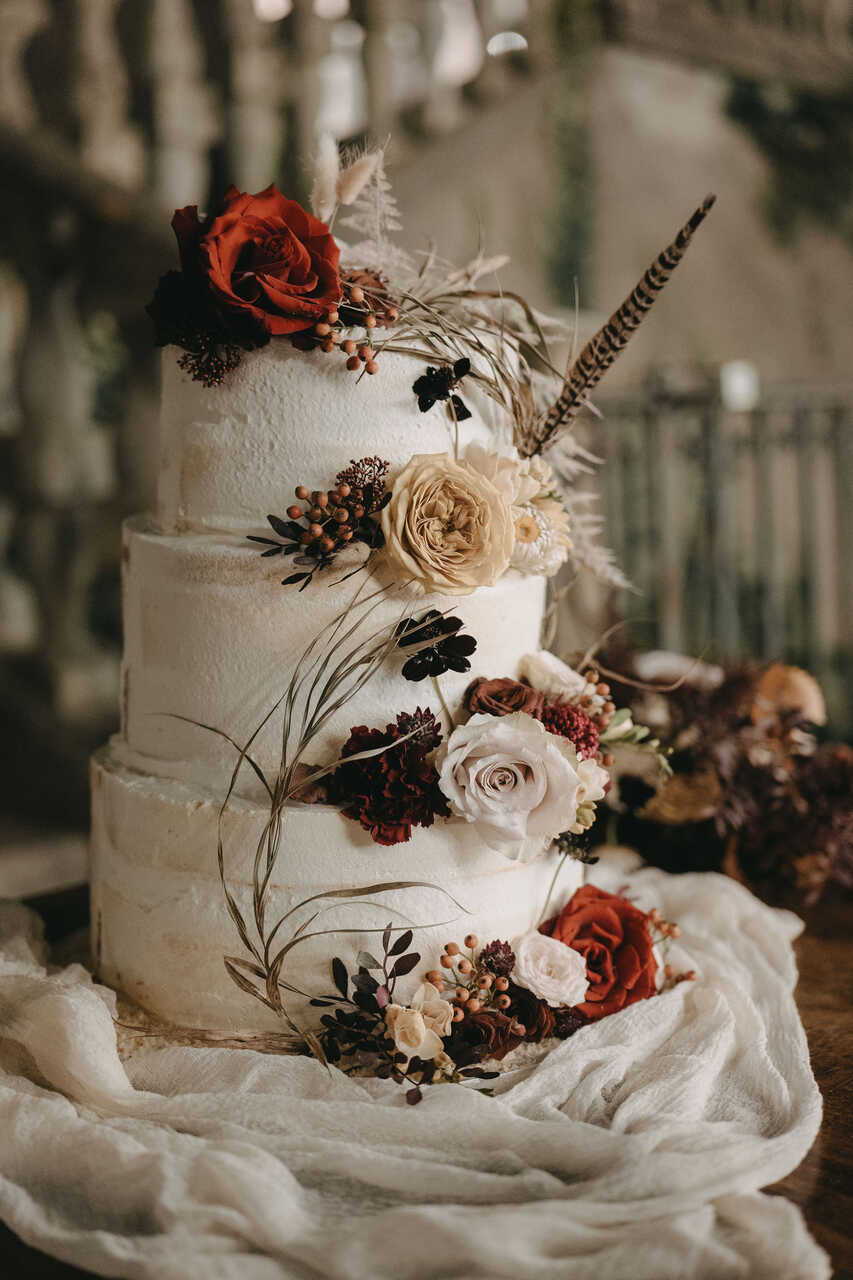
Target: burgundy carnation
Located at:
point(501, 697)
point(570, 722)
point(499, 958)
point(397, 789)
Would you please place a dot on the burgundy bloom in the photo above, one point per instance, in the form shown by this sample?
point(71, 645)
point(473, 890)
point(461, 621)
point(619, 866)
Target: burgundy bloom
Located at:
point(499, 958)
point(503, 696)
point(396, 789)
point(568, 721)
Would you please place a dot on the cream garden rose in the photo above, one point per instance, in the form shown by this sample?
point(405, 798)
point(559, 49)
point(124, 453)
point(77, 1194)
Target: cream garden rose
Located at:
point(553, 972)
point(447, 528)
point(512, 779)
point(417, 1031)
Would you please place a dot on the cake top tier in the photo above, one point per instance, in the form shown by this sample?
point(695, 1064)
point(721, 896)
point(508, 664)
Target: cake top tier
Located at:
point(233, 453)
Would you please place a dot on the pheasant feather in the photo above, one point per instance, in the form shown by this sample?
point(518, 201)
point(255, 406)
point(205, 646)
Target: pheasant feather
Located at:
point(603, 348)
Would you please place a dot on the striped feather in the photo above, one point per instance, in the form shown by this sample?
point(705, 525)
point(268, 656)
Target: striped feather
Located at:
point(603, 348)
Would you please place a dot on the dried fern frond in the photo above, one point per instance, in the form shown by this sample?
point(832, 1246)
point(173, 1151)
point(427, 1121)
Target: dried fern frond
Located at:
point(603, 348)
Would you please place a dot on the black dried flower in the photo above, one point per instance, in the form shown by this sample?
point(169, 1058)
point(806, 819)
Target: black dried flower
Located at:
point(438, 383)
point(499, 958)
point(576, 846)
point(449, 652)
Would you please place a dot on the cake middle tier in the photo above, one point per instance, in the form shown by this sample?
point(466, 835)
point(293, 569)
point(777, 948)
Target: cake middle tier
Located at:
point(210, 634)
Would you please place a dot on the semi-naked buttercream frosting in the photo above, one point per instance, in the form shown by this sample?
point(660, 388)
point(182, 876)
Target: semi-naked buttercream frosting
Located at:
point(211, 636)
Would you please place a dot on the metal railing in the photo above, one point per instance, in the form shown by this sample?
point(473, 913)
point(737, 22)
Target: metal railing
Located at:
point(736, 528)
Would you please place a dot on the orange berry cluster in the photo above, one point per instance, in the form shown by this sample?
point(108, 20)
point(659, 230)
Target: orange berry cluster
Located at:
point(360, 310)
point(332, 516)
point(666, 932)
point(471, 986)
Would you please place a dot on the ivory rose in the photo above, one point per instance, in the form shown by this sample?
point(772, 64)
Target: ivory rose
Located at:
point(545, 671)
point(417, 1031)
point(512, 779)
point(447, 527)
point(550, 970)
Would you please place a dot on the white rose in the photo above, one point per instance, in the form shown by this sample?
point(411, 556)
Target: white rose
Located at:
point(503, 467)
point(512, 779)
point(410, 1033)
point(554, 972)
point(593, 781)
point(546, 672)
point(436, 1012)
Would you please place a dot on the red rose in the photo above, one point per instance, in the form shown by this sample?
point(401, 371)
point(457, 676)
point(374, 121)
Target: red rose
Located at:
point(613, 937)
point(265, 258)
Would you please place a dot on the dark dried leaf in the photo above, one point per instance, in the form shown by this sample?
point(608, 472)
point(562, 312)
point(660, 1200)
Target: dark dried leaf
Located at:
point(339, 975)
point(414, 1096)
point(386, 938)
point(404, 941)
point(405, 965)
point(294, 577)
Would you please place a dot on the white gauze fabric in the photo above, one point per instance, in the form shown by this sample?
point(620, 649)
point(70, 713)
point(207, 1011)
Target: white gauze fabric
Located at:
point(635, 1149)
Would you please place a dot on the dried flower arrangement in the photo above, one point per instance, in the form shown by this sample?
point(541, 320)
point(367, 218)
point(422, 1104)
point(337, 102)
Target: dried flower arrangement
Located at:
point(751, 792)
point(261, 267)
point(600, 954)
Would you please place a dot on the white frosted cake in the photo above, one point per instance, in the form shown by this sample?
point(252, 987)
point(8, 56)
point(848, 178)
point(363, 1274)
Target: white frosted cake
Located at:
point(343, 755)
point(210, 634)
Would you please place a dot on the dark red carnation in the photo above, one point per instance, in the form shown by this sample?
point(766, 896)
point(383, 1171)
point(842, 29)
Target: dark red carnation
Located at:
point(499, 958)
point(570, 722)
point(613, 937)
point(396, 789)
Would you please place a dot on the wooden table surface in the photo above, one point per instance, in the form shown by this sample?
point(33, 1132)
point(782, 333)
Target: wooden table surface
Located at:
point(823, 1184)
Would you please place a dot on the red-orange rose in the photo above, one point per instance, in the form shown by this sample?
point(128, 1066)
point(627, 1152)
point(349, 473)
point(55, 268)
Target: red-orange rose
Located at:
point(265, 258)
point(613, 937)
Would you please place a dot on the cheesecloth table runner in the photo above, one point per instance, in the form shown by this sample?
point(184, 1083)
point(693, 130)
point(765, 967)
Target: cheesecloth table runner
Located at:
point(635, 1149)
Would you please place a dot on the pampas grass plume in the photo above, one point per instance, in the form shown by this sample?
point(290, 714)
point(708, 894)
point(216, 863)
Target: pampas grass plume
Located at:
point(356, 176)
point(326, 169)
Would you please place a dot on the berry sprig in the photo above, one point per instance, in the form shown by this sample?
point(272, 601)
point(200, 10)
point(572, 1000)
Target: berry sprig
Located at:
point(329, 520)
point(365, 304)
point(664, 932)
point(474, 985)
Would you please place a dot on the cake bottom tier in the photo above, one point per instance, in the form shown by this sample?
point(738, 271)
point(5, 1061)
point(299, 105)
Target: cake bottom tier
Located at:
point(161, 927)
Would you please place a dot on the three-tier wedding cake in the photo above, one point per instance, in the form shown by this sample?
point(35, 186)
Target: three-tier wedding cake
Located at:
point(339, 730)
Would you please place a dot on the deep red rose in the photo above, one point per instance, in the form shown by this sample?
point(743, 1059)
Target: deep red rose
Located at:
point(264, 257)
point(613, 937)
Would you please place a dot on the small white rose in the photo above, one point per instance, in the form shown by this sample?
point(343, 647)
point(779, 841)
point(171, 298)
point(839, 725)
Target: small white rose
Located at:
point(410, 1033)
point(512, 779)
point(594, 779)
point(436, 1012)
point(548, 673)
point(554, 972)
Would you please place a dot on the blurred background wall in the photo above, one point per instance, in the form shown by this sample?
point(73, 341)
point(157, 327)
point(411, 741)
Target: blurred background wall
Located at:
point(575, 135)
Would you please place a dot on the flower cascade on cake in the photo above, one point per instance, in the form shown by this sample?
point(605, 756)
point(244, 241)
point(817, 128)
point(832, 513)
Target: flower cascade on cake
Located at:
point(598, 955)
